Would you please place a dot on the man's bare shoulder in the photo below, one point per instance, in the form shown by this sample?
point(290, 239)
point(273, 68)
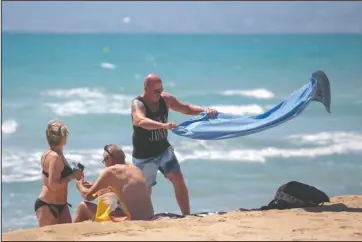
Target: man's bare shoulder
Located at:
point(118, 168)
point(167, 95)
point(109, 171)
point(120, 171)
point(126, 166)
point(137, 104)
point(169, 98)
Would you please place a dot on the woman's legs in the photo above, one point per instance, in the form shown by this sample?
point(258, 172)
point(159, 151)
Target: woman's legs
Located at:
point(65, 216)
point(50, 214)
point(45, 217)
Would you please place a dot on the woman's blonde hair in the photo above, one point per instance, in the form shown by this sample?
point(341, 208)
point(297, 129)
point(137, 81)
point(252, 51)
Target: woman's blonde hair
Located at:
point(55, 131)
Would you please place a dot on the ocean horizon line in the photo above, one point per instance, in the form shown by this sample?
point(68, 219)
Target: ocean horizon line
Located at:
point(176, 33)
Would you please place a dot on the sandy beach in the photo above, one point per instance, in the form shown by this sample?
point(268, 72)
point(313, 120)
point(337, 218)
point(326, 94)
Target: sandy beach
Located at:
point(339, 220)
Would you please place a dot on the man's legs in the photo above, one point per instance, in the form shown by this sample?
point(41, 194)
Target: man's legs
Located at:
point(181, 191)
point(168, 164)
point(170, 167)
point(85, 211)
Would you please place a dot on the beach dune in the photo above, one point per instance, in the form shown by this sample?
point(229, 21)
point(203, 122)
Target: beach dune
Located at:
point(339, 220)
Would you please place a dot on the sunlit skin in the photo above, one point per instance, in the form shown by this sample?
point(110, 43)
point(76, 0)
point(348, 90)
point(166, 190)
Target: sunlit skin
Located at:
point(55, 188)
point(126, 179)
point(153, 91)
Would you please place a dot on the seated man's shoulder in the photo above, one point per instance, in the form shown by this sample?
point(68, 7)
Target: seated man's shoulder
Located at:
point(126, 168)
point(117, 168)
point(109, 171)
point(132, 167)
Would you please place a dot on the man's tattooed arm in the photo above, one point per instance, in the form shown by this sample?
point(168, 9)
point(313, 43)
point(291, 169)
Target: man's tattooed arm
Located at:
point(139, 117)
point(136, 105)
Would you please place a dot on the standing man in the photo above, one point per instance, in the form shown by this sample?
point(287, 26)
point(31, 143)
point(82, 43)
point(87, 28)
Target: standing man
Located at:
point(151, 149)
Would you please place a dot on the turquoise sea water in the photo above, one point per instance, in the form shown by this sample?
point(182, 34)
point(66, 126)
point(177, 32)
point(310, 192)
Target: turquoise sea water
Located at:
point(88, 81)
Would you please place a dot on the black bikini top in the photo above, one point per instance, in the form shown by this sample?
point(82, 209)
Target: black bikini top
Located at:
point(65, 172)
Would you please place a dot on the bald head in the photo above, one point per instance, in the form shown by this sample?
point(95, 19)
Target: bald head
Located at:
point(153, 87)
point(152, 79)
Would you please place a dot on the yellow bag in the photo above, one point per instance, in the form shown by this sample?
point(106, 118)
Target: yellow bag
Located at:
point(108, 203)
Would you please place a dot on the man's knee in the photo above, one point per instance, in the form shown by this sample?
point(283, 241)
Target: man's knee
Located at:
point(81, 206)
point(175, 177)
point(84, 211)
point(172, 170)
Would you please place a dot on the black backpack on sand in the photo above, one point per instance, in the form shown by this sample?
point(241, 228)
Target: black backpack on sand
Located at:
point(296, 195)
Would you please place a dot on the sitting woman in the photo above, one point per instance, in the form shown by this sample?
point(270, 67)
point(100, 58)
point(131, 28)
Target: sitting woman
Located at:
point(51, 206)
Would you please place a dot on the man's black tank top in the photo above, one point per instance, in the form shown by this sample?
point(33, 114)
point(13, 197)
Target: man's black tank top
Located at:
point(151, 143)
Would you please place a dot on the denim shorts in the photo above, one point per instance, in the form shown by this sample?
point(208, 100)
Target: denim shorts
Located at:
point(165, 162)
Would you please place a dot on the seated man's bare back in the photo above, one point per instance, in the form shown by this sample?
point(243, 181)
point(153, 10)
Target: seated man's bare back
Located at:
point(125, 181)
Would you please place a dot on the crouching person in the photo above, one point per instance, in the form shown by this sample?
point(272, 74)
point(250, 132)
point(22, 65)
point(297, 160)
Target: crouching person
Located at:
point(121, 190)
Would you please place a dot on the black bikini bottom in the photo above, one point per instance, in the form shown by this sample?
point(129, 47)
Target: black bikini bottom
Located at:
point(56, 209)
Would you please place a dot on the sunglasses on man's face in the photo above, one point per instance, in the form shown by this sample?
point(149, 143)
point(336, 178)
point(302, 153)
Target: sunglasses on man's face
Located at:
point(105, 159)
point(158, 91)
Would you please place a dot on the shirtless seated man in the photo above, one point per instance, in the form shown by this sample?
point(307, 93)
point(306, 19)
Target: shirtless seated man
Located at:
point(127, 182)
